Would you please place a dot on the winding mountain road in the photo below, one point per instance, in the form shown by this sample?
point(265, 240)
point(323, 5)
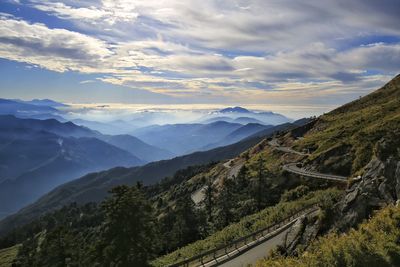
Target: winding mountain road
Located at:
point(198, 195)
point(292, 167)
point(274, 143)
point(251, 252)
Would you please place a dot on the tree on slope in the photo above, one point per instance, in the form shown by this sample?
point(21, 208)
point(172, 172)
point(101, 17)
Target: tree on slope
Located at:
point(128, 236)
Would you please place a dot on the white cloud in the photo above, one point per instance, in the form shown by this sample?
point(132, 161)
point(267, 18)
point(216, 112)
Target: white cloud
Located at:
point(53, 49)
point(235, 49)
point(110, 11)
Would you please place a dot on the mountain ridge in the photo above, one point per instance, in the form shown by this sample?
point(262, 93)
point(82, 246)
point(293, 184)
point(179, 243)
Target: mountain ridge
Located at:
point(95, 186)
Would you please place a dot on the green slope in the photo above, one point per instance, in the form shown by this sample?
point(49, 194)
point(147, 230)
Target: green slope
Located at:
point(7, 255)
point(375, 243)
point(343, 140)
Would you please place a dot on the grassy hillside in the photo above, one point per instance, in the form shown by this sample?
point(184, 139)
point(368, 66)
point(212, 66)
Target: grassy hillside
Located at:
point(249, 224)
point(343, 140)
point(7, 255)
point(374, 243)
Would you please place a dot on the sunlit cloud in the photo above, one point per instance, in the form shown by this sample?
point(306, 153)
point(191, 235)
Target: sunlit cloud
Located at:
point(249, 51)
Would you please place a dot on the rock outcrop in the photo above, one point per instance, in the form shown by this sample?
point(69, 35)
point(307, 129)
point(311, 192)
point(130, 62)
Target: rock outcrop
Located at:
point(378, 186)
point(301, 234)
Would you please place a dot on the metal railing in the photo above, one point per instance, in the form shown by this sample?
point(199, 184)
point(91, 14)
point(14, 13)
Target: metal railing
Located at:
point(294, 169)
point(236, 247)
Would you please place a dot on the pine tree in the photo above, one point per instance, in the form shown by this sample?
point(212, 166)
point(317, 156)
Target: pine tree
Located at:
point(185, 228)
point(209, 198)
point(129, 236)
point(226, 204)
point(261, 184)
point(241, 181)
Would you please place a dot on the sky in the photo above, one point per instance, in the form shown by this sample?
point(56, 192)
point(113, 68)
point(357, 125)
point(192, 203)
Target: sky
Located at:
point(310, 54)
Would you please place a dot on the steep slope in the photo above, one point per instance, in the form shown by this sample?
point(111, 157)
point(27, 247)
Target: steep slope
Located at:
point(94, 187)
point(359, 140)
point(374, 243)
point(343, 141)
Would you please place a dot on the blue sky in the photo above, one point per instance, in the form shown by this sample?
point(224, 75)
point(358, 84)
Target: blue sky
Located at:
point(302, 53)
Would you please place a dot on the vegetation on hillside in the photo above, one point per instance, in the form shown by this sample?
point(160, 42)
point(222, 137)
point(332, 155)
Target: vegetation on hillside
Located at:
point(374, 243)
point(8, 255)
point(93, 234)
point(249, 224)
point(343, 140)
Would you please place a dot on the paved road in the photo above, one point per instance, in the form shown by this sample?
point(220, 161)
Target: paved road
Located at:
point(198, 195)
point(300, 171)
point(253, 255)
point(275, 145)
point(258, 249)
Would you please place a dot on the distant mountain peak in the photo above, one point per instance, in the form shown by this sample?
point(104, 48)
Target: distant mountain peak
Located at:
point(234, 109)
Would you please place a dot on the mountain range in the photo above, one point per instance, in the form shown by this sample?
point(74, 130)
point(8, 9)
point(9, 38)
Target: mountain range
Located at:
point(36, 109)
point(42, 154)
point(186, 138)
point(41, 149)
point(38, 155)
point(95, 186)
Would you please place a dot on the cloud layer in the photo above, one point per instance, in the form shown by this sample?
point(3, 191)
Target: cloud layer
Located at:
point(254, 51)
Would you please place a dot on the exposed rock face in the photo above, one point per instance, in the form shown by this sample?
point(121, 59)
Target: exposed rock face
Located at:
point(337, 160)
point(301, 234)
point(379, 186)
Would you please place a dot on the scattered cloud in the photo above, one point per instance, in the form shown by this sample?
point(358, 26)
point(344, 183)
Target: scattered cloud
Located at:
point(87, 81)
point(108, 11)
point(241, 50)
point(53, 49)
